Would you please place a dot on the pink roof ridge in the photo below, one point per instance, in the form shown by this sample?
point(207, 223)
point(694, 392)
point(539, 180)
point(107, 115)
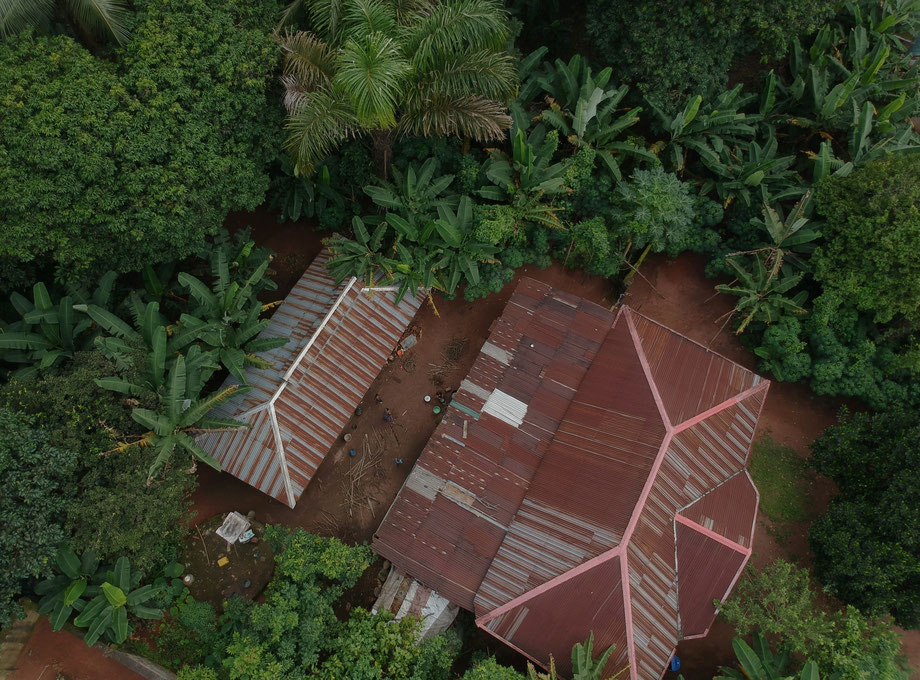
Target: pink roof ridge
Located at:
point(686, 394)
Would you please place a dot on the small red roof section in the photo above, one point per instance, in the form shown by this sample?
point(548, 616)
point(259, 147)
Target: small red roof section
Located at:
point(599, 484)
point(340, 336)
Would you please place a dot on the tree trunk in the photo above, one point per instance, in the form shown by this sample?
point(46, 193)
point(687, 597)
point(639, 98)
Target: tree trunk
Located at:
point(383, 152)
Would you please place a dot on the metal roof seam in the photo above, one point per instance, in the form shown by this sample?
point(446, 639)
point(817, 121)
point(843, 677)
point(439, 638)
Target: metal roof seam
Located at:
point(709, 533)
point(712, 489)
point(700, 417)
point(627, 614)
point(552, 583)
point(313, 338)
point(646, 369)
point(282, 459)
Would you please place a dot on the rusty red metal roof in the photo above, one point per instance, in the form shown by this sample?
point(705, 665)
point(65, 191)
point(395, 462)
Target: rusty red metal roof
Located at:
point(601, 486)
point(340, 336)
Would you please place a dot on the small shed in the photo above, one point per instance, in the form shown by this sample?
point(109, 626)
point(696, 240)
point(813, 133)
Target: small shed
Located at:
point(588, 476)
point(340, 336)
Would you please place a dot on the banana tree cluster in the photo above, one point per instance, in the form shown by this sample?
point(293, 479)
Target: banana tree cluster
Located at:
point(584, 665)
point(760, 663)
point(102, 598)
point(586, 109)
point(48, 331)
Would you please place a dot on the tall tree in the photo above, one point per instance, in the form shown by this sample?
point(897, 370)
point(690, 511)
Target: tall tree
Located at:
point(386, 67)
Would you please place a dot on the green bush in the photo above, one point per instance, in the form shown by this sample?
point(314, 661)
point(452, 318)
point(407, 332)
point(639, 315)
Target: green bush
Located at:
point(872, 236)
point(867, 545)
point(375, 647)
point(296, 625)
point(37, 489)
point(781, 601)
point(141, 157)
point(490, 669)
point(118, 513)
point(670, 49)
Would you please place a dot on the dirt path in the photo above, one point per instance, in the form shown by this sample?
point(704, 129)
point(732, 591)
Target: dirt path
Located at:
point(49, 653)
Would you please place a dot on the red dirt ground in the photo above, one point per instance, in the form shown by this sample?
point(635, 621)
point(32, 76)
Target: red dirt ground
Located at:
point(673, 292)
point(49, 653)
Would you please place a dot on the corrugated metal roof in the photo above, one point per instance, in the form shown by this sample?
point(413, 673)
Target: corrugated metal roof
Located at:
point(637, 424)
point(340, 336)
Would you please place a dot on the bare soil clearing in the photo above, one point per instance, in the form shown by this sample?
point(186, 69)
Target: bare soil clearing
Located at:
point(49, 653)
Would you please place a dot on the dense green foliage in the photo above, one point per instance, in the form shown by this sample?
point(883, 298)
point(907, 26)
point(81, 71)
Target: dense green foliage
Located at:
point(36, 494)
point(103, 598)
point(760, 663)
point(781, 601)
point(670, 49)
point(115, 513)
point(871, 234)
point(867, 545)
point(144, 156)
point(490, 669)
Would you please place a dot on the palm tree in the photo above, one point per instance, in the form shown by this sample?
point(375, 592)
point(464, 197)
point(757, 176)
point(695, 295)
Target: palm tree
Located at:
point(106, 19)
point(385, 67)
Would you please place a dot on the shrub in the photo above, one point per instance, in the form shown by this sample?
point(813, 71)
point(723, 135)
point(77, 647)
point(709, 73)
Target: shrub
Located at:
point(37, 489)
point(781, 601)
point(867, 545)
point(118, 513)
point(670, 49)
point(490, 669)
point(872, 236)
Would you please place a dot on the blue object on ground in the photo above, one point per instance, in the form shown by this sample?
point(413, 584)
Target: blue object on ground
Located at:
point(351, 452)
point(675, 663)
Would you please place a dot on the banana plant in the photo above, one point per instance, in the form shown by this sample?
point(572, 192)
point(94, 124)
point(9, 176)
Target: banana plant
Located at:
point(760, 663)
point(414, 194)
point(584, 665)
point(585, 110)
point(226, 318)
point(49, 332)
point(464, 253)
point(182, 412)
point(752, 173)
point(721, 125)
point(102, 598)
point(762, 291)
point(529, 168)
point(525, 179)
point(790, 237)
point(362, 256)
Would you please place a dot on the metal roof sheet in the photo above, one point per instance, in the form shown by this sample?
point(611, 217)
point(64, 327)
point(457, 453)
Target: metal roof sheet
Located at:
point(340, 336)
point(630, 432)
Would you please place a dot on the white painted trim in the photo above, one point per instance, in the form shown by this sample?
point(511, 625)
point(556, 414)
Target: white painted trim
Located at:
point(282, 459)
point(319, 329)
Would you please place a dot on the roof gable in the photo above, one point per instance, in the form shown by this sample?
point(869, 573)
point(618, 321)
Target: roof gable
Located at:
point(340, 336)
point(649, 427)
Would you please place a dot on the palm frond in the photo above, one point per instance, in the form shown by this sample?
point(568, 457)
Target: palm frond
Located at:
point(456, 26)
point(474, 116)
point(372, 73)
point(307, 59)
point(490, 74)
point(321, 121)
point(407, 9)
point(363, 17)
point(16, 15)
point(290, 13)
point(326, 18)
point(108, 18)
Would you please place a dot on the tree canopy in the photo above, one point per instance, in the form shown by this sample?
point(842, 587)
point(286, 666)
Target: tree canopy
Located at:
point(867, 545)
point(872, 237)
